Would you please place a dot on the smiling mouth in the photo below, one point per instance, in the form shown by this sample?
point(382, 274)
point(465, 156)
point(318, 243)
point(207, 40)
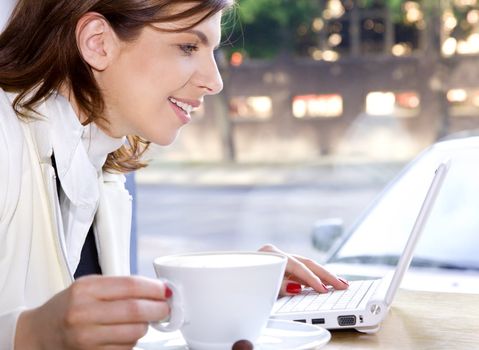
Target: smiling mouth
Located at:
point(184, 106)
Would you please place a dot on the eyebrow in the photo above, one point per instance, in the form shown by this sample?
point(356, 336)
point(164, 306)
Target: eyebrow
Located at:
point(202, 36)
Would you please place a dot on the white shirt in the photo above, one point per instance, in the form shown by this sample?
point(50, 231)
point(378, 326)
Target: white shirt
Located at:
point(80, 153)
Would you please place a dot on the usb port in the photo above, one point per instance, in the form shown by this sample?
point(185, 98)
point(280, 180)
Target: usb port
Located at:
point(317, 321)
point(302, 321)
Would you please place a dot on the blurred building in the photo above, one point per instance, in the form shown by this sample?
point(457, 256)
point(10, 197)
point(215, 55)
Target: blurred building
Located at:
point(372, 84)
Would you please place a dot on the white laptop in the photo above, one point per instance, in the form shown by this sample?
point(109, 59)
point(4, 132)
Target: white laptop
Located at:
point(365, 303)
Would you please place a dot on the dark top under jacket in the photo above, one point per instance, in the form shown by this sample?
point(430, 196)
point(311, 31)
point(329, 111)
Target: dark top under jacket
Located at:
point(89, 264)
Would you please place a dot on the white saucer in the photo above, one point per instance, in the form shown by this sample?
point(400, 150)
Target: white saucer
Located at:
point(278, 335)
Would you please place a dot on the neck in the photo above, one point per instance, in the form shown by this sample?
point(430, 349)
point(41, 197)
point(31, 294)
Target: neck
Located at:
point(66, 92)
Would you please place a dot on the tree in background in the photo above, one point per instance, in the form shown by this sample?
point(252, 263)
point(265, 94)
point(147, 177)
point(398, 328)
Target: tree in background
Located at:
point(306, 28)
point(268, 27)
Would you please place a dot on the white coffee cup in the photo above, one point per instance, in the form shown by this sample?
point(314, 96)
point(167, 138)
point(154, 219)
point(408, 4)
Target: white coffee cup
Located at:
point(220, 297)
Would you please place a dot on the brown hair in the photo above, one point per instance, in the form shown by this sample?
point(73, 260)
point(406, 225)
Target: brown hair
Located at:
point(39, 53)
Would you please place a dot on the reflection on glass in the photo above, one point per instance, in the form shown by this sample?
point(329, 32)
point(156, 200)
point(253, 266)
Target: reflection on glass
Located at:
point(318, 106)
point(252, 107)
point(463, 102)
point(380, 103)
point(403, 104)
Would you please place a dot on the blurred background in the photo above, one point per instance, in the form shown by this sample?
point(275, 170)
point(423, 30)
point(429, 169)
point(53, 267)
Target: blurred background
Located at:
point(364, 79)
point(324, 102)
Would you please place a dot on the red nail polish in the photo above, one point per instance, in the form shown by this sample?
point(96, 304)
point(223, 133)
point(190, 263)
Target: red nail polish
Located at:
point(293, 288)
point(168, 292)
point(344, 281)
point(325, 286)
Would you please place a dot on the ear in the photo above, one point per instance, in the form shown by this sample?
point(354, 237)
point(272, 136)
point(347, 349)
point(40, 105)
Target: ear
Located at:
point(96, 40)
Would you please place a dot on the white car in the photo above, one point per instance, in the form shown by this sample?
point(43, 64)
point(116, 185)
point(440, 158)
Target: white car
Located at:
point(447, 255)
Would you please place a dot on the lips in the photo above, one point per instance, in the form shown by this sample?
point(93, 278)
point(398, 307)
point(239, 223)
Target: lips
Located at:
point(192, 103)
point(182, 115)
point(183, 107)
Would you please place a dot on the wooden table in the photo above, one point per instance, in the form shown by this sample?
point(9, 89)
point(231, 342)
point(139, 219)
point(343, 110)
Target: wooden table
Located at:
point(420, 321)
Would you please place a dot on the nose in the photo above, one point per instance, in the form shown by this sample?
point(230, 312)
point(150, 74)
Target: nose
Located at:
point(209, 78)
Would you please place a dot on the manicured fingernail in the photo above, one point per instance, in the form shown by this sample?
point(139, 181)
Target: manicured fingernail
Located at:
point(325, 287)
point(168, 292)
point(293, 288)
point(344, 281)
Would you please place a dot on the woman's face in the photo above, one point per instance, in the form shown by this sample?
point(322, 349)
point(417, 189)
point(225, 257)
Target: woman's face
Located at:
point(154, 82)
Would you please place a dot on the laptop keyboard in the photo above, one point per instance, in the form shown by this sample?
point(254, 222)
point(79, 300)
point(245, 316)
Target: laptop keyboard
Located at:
point(310, 300)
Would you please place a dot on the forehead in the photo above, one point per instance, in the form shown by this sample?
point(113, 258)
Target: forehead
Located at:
point(208, 31)
point(187, 22)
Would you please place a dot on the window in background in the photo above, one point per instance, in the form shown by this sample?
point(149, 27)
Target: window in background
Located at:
point(460, 28)
point(338, 36)
point(251, 108)
point(407, 30)
point(463, 102)
point(367, 27)
point(318, 106)
point(372, 35)
point(403, 104)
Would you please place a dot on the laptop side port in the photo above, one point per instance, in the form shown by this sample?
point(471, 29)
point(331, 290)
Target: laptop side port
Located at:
point(348, 320)
point(302, 321)
point(317, 321)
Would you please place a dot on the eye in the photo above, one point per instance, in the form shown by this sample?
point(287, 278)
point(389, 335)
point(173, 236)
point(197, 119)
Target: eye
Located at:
point(188, 49)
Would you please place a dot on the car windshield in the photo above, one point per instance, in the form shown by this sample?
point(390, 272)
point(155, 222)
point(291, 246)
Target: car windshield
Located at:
point(451, 236)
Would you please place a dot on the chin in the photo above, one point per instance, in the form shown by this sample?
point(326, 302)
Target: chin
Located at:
point(163, 140)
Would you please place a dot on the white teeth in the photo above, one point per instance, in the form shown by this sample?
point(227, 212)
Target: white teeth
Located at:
point(184, 106)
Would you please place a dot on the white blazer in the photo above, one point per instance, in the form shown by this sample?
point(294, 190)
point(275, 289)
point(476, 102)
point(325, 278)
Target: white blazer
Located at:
point(33, 265)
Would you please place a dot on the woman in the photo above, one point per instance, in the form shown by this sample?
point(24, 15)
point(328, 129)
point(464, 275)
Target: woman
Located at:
point(84, 87)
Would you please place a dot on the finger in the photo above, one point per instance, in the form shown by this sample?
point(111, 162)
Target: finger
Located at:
point(272, 249)
point(125, 334)
point(300, 271)
point(290, 287)
point(126, 311)
point(122, 287)
point(325, 276)
point(109, 336)
point(295, 279)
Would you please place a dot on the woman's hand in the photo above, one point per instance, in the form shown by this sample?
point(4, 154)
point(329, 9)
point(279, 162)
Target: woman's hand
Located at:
point(303, 271)
point(95, 312)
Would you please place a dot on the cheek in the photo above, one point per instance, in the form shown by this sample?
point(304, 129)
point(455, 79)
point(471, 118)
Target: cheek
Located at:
point(160, 68)
point(138, 86)
point(151, 82)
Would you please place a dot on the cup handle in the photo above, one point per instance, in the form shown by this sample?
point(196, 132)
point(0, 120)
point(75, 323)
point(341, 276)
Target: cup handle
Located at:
point(177, 318)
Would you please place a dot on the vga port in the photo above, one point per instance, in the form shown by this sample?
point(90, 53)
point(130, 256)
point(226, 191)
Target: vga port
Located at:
point(348, 320)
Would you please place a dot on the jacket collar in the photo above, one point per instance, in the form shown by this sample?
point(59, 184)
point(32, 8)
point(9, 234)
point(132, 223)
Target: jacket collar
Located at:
point(80, 151)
